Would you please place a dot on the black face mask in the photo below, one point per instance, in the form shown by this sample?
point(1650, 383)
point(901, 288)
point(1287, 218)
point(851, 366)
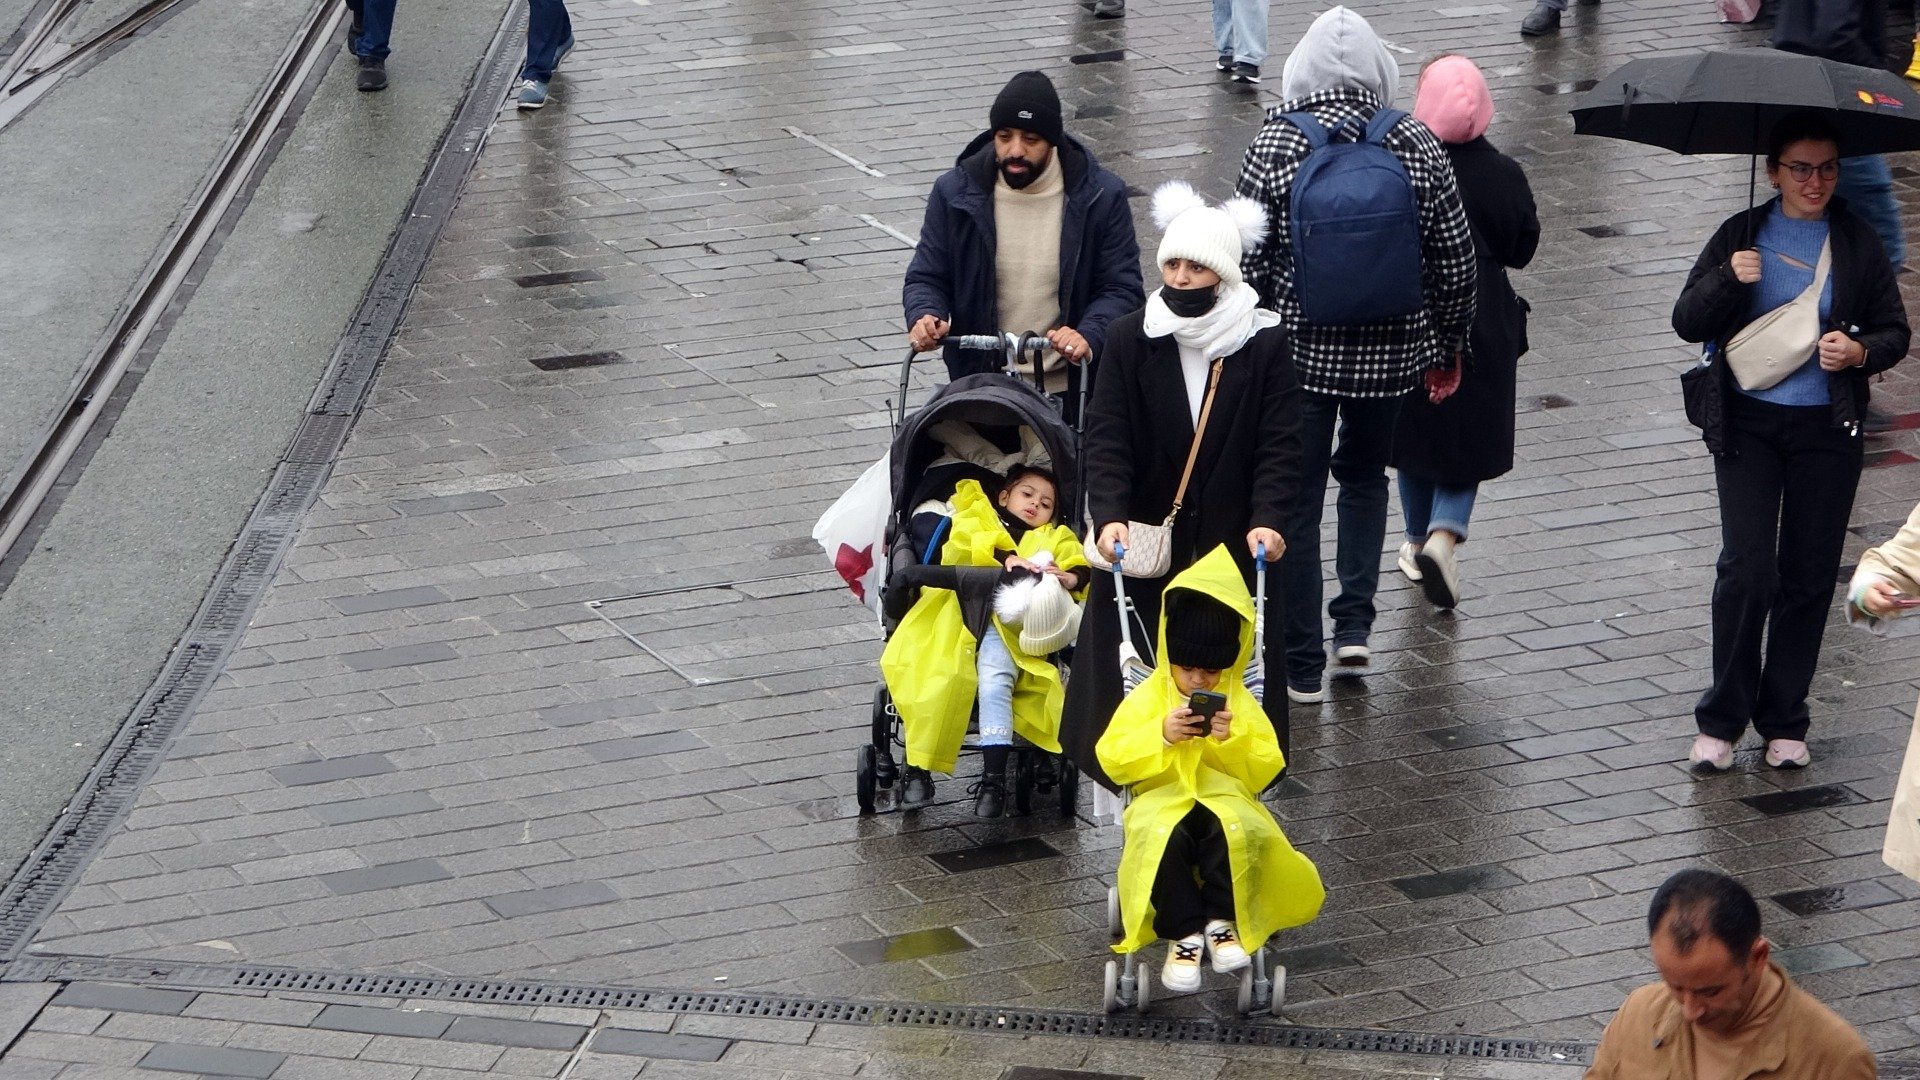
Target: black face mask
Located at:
point(1189, 303)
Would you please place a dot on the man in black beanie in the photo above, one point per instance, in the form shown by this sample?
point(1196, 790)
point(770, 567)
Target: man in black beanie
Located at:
point(1025, 233)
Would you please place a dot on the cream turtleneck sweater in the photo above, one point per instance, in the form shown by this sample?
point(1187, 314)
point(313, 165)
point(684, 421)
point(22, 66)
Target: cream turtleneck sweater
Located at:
point(1026, 260)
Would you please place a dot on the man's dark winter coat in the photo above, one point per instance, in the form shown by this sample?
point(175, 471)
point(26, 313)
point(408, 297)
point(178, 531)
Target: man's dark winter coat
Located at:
point(1866, 303)
point(952, 275)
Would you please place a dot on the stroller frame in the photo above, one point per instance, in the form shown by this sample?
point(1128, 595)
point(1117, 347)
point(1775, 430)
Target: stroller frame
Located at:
point(1263, 982)
point(1034, 769)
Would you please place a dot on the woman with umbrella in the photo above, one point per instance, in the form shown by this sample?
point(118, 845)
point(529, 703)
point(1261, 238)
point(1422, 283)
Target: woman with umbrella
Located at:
point(1785, 438)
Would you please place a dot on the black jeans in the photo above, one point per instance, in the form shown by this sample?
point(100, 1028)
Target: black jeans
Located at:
point(1786, 490)
point(1194, 883)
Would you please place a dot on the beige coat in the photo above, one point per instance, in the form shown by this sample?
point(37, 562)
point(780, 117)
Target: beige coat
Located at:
point(1898, 562)
point(1648, 1039)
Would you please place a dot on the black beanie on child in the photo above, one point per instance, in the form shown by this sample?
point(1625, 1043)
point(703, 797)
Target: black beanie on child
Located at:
point(1030, 103)
point(1201, 632)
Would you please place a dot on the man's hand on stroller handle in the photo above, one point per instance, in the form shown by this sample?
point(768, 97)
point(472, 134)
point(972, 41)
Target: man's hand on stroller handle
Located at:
point(1261, 536)
point(1069, 344)
point(1113, 532)
point(926, 334)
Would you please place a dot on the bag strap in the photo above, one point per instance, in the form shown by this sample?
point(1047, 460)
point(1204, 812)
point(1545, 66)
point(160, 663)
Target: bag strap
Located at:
point(1193, 452)
point(1383, 122)
point(1309, 126)
point(1820, 269)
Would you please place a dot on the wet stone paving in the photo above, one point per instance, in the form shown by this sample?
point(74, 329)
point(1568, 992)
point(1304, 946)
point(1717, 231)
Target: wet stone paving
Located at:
point(553, 685)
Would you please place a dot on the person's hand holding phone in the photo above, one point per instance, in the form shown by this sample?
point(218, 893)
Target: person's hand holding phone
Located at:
point(1180, 726)
point(1209, 712)
point(1881, 600)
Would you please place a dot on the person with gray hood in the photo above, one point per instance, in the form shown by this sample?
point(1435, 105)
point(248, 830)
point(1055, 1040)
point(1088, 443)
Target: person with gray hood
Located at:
point(1355, 366)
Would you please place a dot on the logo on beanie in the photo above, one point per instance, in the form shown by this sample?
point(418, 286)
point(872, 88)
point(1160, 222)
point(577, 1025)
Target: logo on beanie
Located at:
point(1026, 114)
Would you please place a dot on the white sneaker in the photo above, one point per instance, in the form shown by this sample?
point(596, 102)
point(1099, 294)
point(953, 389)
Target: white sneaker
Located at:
point(1352, 659)
point(1223, 944)
point(1181, 974)
point(1439, 576)
point(1716, 754)
point(1407, 566)
point(1300, 696)
point(1788, 754)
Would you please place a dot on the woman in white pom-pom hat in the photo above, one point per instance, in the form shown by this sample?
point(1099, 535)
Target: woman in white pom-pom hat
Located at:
point(1202, 328)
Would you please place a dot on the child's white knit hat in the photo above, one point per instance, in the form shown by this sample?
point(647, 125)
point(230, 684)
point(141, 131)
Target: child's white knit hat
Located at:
point(1213, 236)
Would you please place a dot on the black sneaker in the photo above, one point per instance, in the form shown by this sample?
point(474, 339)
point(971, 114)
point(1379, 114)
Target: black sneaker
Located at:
point(1225, 63)
point(989, 796)
point(373, 73)
point(1541, 21)
point(1109, 9)
point(1246, 73)
point(916, 788)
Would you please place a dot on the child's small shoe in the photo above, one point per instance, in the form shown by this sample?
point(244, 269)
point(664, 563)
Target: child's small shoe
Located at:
point(1223, 944)
point(916, 788)
point(1181, 974)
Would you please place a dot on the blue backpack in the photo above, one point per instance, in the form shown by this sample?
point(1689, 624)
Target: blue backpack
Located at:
point(1354, 225)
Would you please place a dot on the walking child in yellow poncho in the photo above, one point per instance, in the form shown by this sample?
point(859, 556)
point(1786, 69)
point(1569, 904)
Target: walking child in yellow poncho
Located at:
point(1205, 864)
point(935, 664)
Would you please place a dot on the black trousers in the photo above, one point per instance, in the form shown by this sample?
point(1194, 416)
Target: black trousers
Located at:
point(1785, 493)
point(1194, 883)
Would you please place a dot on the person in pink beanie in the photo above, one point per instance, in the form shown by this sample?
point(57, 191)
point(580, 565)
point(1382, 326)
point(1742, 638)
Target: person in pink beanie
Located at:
point(1443, 451)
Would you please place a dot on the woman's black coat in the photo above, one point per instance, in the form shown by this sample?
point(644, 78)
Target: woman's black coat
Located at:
point(1866, 304)
point(1469, 437)
point(1139, 430)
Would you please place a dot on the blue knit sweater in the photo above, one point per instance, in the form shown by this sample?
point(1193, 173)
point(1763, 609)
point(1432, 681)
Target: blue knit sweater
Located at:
point(1781, 281)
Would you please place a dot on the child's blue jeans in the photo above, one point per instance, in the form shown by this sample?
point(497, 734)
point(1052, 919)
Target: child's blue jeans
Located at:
point(995, 666)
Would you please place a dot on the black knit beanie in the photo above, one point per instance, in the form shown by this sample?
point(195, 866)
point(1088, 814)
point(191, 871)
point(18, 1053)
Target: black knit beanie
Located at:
point(1029, 103)
point(1201, 632)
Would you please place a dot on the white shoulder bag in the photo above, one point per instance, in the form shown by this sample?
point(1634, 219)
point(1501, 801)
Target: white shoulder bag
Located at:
point(1773, 346)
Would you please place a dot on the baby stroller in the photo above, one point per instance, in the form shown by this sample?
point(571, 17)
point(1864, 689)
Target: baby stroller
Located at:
point(997, 405)
point(1263, 982)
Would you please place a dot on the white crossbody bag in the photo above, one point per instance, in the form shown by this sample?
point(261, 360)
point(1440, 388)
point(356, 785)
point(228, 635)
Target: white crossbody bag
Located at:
point(1774, 345)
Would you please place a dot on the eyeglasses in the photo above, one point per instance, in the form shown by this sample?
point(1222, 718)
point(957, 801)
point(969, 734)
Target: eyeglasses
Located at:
point(1802, 172)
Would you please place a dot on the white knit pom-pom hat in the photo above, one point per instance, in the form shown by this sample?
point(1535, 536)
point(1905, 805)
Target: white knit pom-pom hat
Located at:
point(1213, 236)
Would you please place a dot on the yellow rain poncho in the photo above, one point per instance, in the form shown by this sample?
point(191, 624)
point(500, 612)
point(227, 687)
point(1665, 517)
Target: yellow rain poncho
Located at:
point(929, 663)
point(1274, 886)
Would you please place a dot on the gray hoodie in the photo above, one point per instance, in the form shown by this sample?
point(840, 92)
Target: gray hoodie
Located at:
point(1340, 51)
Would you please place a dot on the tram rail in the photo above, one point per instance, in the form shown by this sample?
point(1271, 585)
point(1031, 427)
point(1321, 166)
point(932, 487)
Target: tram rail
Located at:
point(27, 485)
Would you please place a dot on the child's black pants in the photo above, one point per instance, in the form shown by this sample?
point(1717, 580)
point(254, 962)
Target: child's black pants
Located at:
point(1195, 881)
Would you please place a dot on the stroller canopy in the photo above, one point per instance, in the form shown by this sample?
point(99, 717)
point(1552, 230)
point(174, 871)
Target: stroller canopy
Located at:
point(992, 403)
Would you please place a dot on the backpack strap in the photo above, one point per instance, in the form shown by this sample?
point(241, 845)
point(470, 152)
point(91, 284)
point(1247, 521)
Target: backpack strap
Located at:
point(1309, 126)
point(1383, 122)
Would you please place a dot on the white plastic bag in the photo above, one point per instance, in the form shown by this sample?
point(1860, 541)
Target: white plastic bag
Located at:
point(1737, 11)
point(853, 531)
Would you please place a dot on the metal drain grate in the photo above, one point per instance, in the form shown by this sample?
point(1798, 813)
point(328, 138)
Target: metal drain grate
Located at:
point(184, 976)
point(110, 789)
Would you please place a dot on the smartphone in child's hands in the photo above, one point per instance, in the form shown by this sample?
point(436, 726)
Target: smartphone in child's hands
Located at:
point(1906, 601)
point(1203, 704)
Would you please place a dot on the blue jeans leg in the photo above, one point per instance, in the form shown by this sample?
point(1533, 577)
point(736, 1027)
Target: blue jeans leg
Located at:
point(376, 26)
point(1416, 505)
point(995, 666)
point(549, 36)
point(1360, 468)
point(1240, 28)
point(1452, 508)
point(1867, 185)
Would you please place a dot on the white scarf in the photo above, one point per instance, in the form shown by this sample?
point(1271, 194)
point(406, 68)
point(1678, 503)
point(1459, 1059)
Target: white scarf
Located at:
point(1230, 323)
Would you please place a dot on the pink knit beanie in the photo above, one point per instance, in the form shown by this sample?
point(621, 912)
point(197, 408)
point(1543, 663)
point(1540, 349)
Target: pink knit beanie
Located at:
point(1452, 99)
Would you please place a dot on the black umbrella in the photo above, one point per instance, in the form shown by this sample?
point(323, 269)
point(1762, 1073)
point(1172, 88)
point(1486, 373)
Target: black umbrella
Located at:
point(1728, 102)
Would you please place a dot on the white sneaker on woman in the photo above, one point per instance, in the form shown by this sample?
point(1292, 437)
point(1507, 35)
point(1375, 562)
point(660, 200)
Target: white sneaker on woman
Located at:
point(1407, 566)
point(1788, 754)
point(1439, 575)
point(1181, 974)
point(1715, 754)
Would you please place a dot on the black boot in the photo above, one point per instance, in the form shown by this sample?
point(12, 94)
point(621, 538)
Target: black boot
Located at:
point(373, 73)
point(1542, 20)
point(990, 794)
point(916, 788)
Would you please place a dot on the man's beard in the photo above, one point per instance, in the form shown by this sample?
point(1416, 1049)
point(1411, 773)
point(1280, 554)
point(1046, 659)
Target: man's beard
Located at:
point(1019, 180)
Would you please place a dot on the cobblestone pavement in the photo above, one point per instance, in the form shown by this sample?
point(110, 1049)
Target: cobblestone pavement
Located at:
point(659, 336)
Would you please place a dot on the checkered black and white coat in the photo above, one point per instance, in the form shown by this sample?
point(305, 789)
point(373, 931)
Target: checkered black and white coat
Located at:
point(1379, 359)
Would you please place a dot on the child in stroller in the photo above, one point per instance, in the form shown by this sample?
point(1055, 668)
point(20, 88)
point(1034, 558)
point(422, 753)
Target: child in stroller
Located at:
point(950, 650)
point(1205, 864)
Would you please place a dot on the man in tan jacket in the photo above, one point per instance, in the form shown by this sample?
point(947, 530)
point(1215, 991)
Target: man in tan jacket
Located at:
point(1722, 1009)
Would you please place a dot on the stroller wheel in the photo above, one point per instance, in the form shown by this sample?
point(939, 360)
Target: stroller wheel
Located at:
point(1278, 996)
point(1115, 927)
point(865, 777)
point(1112, 997)
point(1069, 788)
point(1023, 782)
point(1245, 1004)
point(1144, 998)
